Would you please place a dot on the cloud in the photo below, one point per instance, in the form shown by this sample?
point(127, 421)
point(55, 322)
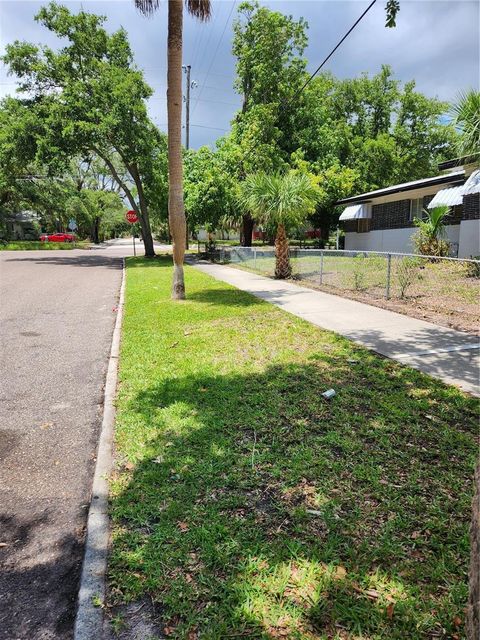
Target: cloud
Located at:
point(435, 42)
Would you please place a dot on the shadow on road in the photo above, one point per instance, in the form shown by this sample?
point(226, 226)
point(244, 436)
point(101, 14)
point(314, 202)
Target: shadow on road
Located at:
point(54, 582)
point(114, 262)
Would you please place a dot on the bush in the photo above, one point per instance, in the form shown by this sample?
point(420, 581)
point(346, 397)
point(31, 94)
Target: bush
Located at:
point(428, 245)
point(472, 269)
point(407, 273)
point(359, 275)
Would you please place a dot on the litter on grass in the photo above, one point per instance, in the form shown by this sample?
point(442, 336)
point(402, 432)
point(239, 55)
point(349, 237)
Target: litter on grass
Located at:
point(329, 394)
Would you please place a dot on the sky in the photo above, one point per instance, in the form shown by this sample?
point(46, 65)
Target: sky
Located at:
point(436, 43)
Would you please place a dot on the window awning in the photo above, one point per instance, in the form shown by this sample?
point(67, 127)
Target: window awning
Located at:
point(472, 185)
point(449, 197)
point(454, 195)
point(357, 212)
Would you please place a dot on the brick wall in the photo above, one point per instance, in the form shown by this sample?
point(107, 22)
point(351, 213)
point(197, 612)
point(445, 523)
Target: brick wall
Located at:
point(350, 226)
point(396, 215)
point(471, 206)
point(391, 215)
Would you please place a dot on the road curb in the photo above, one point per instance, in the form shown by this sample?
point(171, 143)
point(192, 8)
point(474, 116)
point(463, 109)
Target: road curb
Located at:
point(91, 594)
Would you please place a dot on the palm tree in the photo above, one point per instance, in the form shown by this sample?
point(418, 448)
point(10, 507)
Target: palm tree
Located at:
point(466, 117)
point(176, 210)
point(284, 200)
point(431, 238)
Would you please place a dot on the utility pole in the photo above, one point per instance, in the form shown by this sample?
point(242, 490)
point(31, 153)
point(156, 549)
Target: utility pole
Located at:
point(187, 68)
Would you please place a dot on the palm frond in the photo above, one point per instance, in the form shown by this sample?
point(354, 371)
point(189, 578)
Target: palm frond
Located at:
point(281, 199)
point(201, 9)
point(433, 225)
point(466, 117)
point(147, 7)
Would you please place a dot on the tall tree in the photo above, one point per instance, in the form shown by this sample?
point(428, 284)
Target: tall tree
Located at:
point(88, 97)
point(176, 207)
point(270, 69)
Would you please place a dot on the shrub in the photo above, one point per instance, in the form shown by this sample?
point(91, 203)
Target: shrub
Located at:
point(430, 239)
point(359, 275)
point(472, 269)
point(428, 245)
point(407, 273)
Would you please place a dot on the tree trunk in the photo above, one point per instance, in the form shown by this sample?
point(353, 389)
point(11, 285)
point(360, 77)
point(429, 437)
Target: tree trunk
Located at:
point(282, 255)
point(147, 236)
point(473, 609)
point(176, 211)
point(247, 230)
point(95, 238)
point(143, 216)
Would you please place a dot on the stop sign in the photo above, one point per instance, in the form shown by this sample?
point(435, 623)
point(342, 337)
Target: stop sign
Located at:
point(131, 216)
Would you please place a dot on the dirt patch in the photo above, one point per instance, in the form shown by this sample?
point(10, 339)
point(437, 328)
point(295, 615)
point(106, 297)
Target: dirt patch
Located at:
point(134, 621)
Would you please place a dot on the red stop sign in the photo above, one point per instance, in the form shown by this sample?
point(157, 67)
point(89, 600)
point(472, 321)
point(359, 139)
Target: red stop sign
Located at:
point(131, 216)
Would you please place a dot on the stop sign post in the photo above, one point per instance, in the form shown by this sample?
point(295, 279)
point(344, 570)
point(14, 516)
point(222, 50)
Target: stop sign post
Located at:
point(131, 217)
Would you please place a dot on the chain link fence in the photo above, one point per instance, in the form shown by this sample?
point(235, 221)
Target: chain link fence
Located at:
point(431, 286)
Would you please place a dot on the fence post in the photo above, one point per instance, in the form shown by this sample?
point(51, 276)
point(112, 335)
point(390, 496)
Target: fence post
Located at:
point(254, 257)
point(321, 266)
point(389, 270)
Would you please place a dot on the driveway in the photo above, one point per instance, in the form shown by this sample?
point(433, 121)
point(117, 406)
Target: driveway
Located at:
point(57, 312)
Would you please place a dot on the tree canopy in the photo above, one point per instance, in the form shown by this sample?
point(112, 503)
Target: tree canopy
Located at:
point(88, 97)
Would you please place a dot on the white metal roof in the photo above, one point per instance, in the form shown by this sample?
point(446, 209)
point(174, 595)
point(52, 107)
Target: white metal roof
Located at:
point(454, 176)
point(449, 197)
point(472, 185)
point(357, 212)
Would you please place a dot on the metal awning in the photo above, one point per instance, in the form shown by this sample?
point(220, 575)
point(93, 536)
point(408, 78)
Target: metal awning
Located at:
point(357, 212)
point(449, 197)
point(472, 185)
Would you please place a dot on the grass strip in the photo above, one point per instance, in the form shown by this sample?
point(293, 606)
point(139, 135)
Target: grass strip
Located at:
point(33, 245)
point(246, 505)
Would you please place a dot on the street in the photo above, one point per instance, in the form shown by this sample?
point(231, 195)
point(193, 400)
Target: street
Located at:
point(57, 312)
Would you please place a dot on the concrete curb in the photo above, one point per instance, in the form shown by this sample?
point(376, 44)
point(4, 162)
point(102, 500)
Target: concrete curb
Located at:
point(89, 618)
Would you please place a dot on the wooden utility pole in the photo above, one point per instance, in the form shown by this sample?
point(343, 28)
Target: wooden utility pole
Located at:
point(187, 69)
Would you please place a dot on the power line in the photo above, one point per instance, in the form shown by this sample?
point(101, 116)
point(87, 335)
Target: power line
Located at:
point(201, 126)
point(307, 82)
point(231, 104)
point(297, 93)
point(210, 32)
point(215, 54)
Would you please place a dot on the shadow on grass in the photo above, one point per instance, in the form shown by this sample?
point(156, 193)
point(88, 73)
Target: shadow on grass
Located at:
point(258, 509)
point(223, 296)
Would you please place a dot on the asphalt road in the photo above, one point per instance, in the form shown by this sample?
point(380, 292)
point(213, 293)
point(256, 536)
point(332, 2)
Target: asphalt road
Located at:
point(57, 312)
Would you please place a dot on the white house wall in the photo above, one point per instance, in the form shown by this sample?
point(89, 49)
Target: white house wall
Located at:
point(469, 243)
point(397, 240)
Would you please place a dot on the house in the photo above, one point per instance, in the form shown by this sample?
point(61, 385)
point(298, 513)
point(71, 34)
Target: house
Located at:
point(22, 225)
point(383, 220)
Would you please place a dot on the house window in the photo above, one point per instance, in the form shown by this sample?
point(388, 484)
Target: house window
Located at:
point(416, 209)
point(363, 225)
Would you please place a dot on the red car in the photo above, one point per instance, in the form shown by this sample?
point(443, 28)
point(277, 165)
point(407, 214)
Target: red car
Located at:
point(57, 237)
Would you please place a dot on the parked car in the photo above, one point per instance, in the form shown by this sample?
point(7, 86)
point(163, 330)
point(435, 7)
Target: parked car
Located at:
point(57, 237)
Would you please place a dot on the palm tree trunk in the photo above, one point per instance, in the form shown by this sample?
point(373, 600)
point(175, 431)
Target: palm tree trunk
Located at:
point(247, 230)
point(282, 255)
point(176, 211)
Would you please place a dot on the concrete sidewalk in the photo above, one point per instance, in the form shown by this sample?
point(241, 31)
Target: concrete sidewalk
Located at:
point(451, 356)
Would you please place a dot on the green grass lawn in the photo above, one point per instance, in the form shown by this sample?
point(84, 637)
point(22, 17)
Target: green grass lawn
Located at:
point(33, 245)
point(247, 506)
